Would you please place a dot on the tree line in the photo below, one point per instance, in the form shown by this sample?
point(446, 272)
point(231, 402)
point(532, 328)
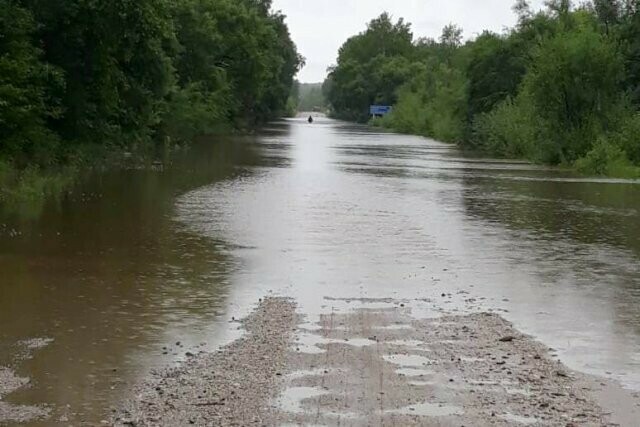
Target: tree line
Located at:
point(121, 73)
point(562, 87)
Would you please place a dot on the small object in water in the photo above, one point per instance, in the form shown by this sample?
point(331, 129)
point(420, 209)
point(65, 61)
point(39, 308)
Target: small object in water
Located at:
point(310, 119)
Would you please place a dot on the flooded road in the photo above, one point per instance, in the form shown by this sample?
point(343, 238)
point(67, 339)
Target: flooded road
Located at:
point(133, 263)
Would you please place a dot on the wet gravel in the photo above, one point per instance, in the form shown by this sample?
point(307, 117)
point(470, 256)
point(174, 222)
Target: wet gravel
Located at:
point(383, 366)
point(375, 364)
point(232, 387)
point(11, 414)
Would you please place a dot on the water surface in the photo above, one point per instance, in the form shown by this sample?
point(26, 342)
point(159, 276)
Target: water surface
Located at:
point(132, 263)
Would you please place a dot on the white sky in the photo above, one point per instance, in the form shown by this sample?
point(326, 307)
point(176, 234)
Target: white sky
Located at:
point(320, 27)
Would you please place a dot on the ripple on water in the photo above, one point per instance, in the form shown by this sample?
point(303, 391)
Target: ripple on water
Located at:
point(408, 360)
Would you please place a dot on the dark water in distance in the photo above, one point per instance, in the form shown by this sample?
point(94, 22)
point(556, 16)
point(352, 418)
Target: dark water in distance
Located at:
point(133, 262)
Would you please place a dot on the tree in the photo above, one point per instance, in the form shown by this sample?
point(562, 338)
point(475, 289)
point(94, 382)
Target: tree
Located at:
point(496, 68)
point(608, 12)
point(574, 83)
point(522, 8)
point(129, 72)
point(27, 91)
point(451, 36)
point(371, 67)
point(115, 59)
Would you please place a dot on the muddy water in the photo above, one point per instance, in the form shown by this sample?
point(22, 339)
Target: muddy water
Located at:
point(132, 263)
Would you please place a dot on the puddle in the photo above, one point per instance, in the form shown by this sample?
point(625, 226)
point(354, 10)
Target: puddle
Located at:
point(430, 410)
point(421, 312)
point(411, 344)
point(396, 327)
point(422, 383)
point(414, 372)
point(357, 342)
point(343, 416)
point(310, 343)
point(304, 374)
point(291, 399)
point(311, 327)
point(519, 419)
point(472, 359)
point(408, 360)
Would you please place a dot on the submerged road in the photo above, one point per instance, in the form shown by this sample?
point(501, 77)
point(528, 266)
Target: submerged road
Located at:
point(138, 269)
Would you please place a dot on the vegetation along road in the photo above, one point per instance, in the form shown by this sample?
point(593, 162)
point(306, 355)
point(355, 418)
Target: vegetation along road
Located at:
point(174, 251)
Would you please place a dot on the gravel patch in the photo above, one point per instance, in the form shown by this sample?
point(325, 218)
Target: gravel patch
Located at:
point(376, 367)
point(232, 387)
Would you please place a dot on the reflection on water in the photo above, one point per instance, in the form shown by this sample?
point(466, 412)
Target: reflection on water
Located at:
point(138, 261)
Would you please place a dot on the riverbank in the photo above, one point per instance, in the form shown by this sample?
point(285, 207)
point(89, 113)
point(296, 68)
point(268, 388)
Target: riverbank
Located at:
point(605, 160)
point(377, 365)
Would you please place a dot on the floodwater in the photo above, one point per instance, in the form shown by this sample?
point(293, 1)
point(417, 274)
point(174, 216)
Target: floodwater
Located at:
point(133, 263)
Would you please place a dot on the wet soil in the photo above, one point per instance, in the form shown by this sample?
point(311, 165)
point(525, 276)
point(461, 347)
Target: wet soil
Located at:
point(374, 365)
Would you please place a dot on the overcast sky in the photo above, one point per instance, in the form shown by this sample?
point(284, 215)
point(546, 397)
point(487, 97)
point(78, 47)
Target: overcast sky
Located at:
point(320, 27)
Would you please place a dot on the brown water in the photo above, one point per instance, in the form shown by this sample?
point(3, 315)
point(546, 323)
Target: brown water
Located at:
point(136, 261)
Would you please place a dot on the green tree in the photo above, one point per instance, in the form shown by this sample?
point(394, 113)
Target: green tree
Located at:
point(126, 73)
point(115, 62)
point(27, 91)
point(496, 68)
point(371, 67)
point(574, 84)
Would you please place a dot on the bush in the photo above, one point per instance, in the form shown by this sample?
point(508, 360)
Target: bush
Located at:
point(573, 87)
point(408, 116)
point(628, 137)
point(431, 104)
point(606, 159)
point(507, 131)
point(194, 111)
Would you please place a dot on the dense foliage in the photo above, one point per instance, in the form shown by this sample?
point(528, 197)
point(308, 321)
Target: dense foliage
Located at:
point(561, 87)
point(80, 73)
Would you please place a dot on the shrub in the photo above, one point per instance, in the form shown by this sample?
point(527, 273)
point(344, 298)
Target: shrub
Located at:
point(507, 131)
point(606, 159)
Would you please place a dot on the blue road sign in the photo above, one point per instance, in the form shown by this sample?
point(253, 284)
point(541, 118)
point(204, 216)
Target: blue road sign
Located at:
point(380, 110)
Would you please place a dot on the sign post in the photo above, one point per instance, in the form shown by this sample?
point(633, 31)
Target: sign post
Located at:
point(380, 110)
